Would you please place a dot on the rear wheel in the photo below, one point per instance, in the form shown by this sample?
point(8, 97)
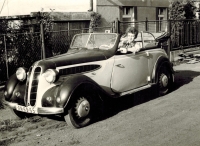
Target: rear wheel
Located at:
point(164, 81)
point(82, 109)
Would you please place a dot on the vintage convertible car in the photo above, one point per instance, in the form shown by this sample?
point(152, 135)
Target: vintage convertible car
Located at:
point(76, 83)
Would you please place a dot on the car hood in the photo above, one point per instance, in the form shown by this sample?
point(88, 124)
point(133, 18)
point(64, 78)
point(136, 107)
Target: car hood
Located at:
point(71, 58)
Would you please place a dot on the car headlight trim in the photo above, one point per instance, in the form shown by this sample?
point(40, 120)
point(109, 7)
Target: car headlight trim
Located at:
point(21, 74)
point(50, 75)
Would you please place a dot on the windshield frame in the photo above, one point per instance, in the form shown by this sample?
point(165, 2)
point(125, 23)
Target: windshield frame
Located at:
point(89, 38)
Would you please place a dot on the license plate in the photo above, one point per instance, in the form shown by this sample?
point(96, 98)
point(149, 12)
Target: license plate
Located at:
point(28, 109)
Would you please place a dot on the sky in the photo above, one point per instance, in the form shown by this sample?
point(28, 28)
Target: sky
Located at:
point(24, 7)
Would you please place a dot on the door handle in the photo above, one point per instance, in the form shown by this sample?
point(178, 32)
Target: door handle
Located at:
point(120, 65)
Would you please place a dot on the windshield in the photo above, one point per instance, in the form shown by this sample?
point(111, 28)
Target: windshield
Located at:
point(104, 41)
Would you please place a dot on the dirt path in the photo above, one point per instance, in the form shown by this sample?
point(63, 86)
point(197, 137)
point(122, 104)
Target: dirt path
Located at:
point(139, 119)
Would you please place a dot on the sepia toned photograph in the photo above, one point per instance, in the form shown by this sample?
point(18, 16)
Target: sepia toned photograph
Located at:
point(99, 72)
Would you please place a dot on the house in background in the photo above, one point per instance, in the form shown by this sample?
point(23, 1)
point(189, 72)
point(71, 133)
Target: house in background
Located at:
point(132, 11)
point(136, 10)
point(124, 10)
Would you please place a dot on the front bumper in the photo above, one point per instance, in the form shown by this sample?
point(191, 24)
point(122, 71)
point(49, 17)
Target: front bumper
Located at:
point(35, 110)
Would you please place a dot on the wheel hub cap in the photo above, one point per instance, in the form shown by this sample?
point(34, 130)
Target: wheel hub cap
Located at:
point(83, 108)
point(164, 81)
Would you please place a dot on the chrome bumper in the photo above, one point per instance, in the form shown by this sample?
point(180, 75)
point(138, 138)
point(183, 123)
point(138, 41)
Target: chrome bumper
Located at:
point(35, 110)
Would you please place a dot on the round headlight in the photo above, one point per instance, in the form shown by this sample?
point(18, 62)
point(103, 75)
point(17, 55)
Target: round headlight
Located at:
point(50, 75)
point(21, 74)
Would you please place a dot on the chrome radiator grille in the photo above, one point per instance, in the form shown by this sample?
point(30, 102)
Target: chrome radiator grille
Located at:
point(32, 86)
point(27, 85)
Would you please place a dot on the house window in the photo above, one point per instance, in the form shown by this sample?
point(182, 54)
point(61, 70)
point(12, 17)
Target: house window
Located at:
point(162, 17)
point(127, 11)
point(129, 14)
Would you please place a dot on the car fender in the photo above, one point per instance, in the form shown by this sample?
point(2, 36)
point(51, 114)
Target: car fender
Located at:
point(65, 90)
point(73, 83)
point(162, 60)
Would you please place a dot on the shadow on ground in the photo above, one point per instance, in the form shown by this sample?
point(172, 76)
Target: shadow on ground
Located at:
point(183, 77)
point(114, 106)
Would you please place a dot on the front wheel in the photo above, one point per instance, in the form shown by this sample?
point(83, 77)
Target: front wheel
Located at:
point(82, 109)
point(164, 81)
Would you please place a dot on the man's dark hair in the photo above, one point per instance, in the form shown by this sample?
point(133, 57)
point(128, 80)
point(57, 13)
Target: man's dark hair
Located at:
point(133, 30)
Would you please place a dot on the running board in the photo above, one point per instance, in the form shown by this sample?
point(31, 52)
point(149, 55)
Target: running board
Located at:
point(136, 90)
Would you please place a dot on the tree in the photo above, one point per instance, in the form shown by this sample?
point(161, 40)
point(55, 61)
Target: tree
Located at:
point(176, 10)
point(180, 10)
point(24, 46)
point(190, 9)
point(95, 20)
point(46, 21)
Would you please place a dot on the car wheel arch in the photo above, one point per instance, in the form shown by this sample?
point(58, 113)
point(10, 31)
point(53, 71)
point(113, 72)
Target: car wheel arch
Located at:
point(72, 85)
point(160, 62)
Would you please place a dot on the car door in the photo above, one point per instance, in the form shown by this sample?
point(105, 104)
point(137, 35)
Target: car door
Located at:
point(129, 71)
